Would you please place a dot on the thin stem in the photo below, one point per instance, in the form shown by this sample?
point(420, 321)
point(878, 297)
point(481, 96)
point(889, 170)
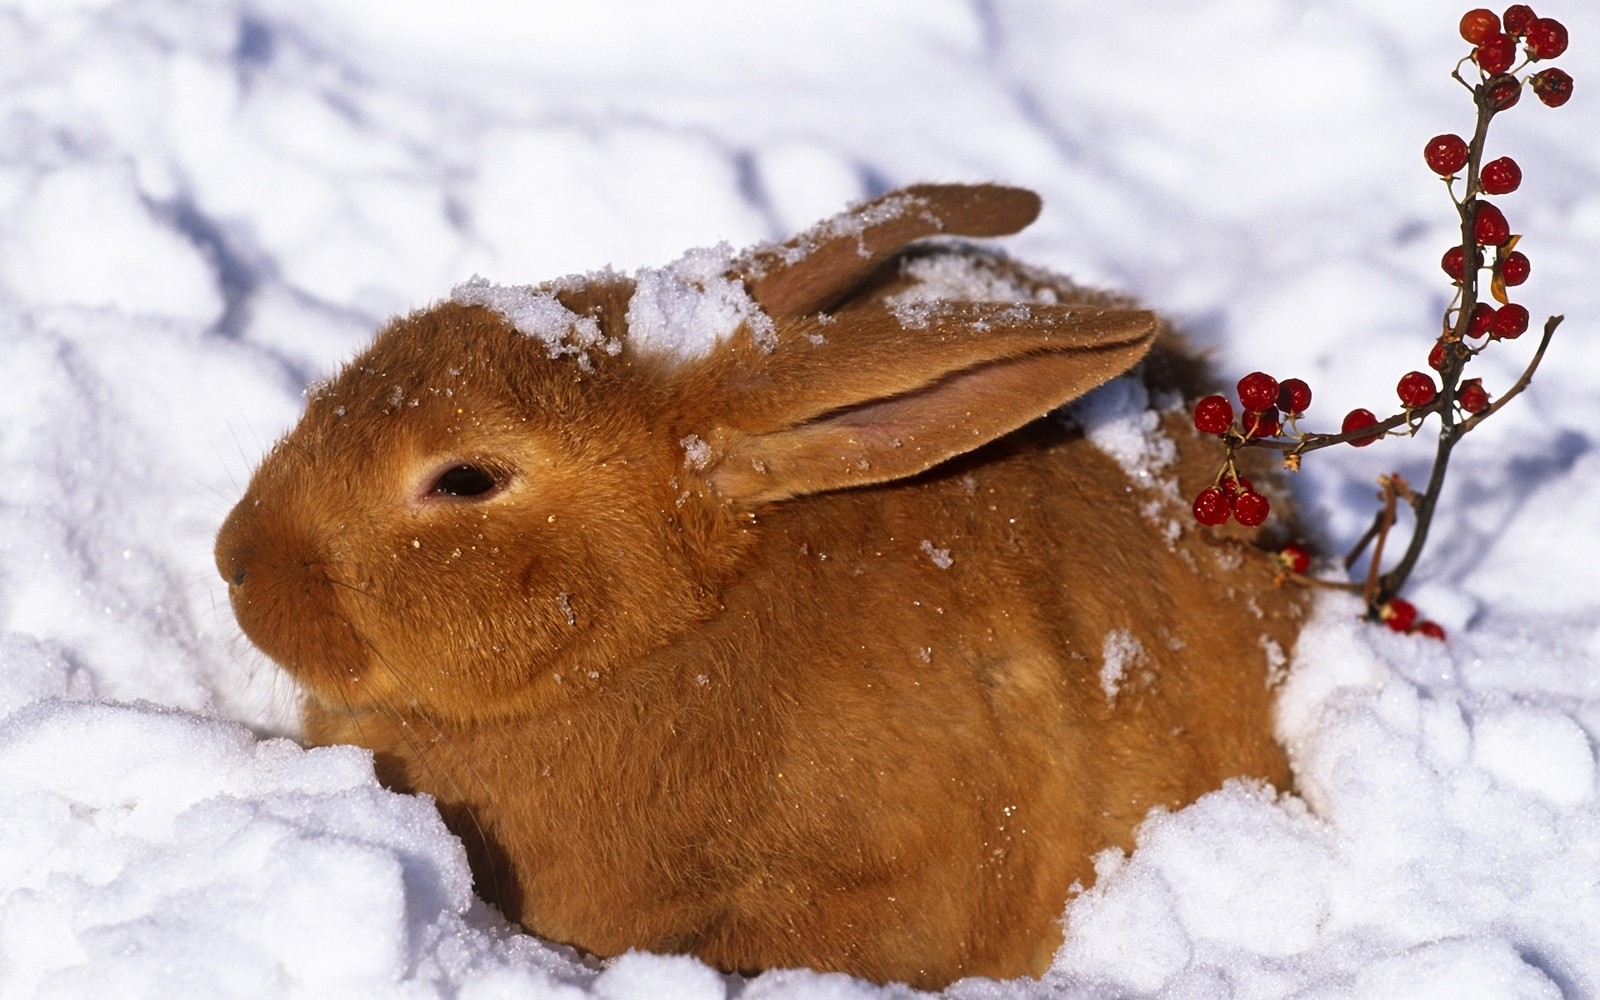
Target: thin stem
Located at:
point(1523, 380)
point(1370, 589)
point(1391, 582)
point(1365, 540)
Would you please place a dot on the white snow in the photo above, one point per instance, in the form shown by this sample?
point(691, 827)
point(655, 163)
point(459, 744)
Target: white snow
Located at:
point(685, 309)
point(939, 557)
point(696, 452)
point(1121, 654)
point(947, 276)
point(537, 313)
point(204, 207)
point(1119, 420)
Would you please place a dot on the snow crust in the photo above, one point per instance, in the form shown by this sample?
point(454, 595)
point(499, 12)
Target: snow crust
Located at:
point(205, 207)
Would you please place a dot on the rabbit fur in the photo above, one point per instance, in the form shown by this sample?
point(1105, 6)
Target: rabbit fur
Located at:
point(812, 645)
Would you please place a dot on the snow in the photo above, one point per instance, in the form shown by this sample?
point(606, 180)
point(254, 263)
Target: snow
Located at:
point(685, 309)
point(539, 314)
point(696, 452)
point(205, 207)
point(1121, 654)
point(939, 557)
point(938, 279)
point(1120, 421)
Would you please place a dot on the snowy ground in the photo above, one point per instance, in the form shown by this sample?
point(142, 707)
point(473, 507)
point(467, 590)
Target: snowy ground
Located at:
point(204, 205)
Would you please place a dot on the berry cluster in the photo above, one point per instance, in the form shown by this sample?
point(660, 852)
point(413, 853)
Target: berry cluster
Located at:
point(1488, 241)
point(1494, 40)
point(1269, 410)
point(1231, 497)
point(1268, 406)
point(1262, 398)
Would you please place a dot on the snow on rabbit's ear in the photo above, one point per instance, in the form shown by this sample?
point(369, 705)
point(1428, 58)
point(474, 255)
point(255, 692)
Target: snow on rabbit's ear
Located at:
point(881, 399)
point(823, 264)
point(685, 309)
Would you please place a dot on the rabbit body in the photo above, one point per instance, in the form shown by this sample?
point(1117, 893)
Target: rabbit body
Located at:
point(813, 649)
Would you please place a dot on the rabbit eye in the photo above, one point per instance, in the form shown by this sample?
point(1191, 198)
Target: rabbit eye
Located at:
point(464, 481)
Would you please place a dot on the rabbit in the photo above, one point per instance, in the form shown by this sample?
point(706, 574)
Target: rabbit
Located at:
point(766, 607)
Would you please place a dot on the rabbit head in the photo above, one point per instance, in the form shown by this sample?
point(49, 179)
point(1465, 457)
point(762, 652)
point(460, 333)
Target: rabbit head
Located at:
point(488, 502)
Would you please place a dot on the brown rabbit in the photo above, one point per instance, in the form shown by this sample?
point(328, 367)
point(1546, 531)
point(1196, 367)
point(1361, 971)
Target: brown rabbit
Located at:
point(810, 646)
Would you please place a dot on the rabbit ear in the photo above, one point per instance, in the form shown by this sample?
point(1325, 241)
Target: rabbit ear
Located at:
point(828, 260)
point(878, 401)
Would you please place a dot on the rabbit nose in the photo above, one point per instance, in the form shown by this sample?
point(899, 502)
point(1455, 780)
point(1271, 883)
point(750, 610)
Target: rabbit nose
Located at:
point(231, 567)
point(231, 548)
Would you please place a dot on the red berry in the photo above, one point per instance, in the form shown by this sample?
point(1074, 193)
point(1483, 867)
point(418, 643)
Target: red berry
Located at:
point(1445, 154)
point(1502, 92)
point(1553, 87)
point(1399, 614)
point(1232, 487)
point(1416, 389)
point(1454, 263)
point(1259, 423)
point(1431, 629)
point(1547, 38)
point(1517, 18)
point(1496, 53)
point(1211, 507)
point(1472, 397)
point(1357, 419)
point(1478, 24)
point(1482, 319)
point(1213, 415)
point(1436, 356)
point(1251, 509)
point(1510, 322)
point(1258, 391)
point(1515, 268)
point(1294, 557)
point(1501, 176)
point(1294, 396)
point(1489, 225)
